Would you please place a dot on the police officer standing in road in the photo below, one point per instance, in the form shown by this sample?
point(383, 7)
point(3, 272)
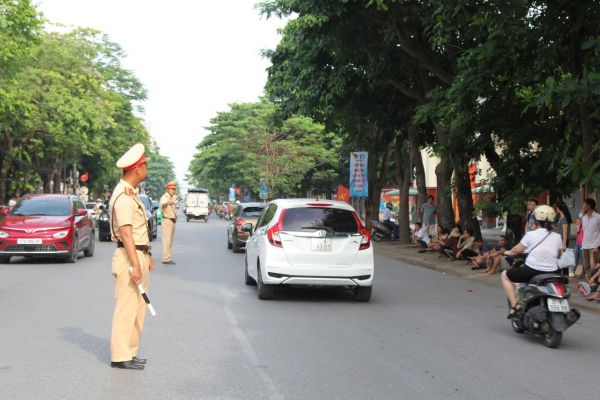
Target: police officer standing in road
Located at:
point(167, 204)
point(130, 231)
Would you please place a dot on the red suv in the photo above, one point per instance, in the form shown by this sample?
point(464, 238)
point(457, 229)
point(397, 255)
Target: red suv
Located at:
point(47, 225)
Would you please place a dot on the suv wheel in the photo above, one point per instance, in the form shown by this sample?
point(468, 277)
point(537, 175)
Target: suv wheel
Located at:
point(4, 260)
point(89, 252)
point(237, 248)
point(72, 258)
point(229, 245)
point(247, 278)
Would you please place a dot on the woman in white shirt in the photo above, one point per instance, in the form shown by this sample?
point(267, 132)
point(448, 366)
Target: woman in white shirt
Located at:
point(544, 248)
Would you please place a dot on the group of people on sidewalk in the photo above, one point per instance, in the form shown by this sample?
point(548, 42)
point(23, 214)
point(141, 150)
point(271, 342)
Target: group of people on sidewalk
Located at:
point(552, 230)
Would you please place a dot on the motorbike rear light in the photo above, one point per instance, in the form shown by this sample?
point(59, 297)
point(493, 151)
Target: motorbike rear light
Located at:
point(319, 204)
point(273, 232)
point(365, 242)
point(239, 222)
point(559, 287)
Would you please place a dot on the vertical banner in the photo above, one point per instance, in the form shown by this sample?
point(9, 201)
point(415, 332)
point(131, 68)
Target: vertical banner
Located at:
point(232, 194)
point(359, 183)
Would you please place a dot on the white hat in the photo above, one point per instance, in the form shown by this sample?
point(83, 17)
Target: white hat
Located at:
point(133, 158)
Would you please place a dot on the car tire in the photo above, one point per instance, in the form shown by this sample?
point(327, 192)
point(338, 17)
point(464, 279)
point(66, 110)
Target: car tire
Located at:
point(265, 292)
point(237, 248)
point(187, 219)
point(363, 293)
point(247, 278)
point(72, 258)
point(229, 245)
point(4, 260)
point(89, 252)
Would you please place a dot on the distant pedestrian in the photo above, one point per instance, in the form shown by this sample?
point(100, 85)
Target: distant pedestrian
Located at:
point(428, 213)
point(578, 251)
point(591, 234)
point(12, 202)
point(530, 221)
point(167, 205)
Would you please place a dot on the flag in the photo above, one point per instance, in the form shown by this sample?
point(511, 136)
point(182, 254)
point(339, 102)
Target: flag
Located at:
point(343, 194)
point(238, 191)
point(84, 177)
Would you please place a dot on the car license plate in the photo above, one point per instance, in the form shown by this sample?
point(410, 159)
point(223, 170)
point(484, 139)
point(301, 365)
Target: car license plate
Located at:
point(29, 241)
point(558, 305)
point(321, 244)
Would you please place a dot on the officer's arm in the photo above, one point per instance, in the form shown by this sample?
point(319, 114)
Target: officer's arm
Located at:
point(129, 244)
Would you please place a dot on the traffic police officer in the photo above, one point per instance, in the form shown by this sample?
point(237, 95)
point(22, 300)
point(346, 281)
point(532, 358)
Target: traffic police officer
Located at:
point(130, 232)
point(167, 204)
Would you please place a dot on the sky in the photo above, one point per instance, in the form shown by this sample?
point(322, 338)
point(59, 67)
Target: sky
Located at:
point(194, 56)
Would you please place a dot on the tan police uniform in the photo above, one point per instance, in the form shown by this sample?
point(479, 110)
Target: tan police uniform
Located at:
point(130, 308)
point(168, 226)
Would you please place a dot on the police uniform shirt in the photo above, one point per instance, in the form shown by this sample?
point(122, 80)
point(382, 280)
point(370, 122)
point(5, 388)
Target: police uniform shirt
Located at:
point(168, 211)
point(127, 209)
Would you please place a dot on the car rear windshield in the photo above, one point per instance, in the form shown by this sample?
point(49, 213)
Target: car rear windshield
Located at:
point(59, 207)
point(90, 206)
point(303, 219)
point(252, 212)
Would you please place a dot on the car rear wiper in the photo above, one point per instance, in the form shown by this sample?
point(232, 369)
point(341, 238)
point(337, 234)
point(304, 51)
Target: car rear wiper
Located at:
point(319, 227)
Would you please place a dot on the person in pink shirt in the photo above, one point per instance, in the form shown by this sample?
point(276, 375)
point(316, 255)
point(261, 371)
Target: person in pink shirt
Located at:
point(578, 251)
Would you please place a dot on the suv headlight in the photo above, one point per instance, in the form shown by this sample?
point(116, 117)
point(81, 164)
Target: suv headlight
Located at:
point(3, 235)
point(60, 235)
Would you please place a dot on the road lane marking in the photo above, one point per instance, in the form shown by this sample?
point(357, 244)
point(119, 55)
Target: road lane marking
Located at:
point(272, 391)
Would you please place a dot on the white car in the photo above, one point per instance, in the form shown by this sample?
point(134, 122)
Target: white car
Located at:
point(309, 242)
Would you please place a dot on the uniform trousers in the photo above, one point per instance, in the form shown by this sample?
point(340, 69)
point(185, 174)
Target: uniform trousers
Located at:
point(168, 232)
point(130, 307)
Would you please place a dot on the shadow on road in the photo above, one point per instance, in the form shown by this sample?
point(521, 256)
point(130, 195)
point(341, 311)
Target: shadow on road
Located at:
point(97, 346)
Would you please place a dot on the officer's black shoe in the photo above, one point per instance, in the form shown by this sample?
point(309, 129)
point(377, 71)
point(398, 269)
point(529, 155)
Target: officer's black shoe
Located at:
point(127, 365)
point(169, 262)
point(139, 360)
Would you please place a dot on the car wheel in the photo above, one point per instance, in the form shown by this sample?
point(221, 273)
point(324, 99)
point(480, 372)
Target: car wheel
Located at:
point(247, 278)
point(265, 292)
point(89, 252)
point(229, 245)
point(363, 293)
point(72, 258)
point(4, 260)
point(187, 219)
point(237, 248)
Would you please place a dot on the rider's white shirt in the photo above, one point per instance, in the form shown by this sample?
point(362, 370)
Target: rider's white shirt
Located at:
point(387, 214)
point(545, 256)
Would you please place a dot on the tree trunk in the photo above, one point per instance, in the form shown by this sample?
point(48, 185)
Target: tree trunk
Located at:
point(3, 172)
point(443, 172)
point(413, 137)
point(328, 191)
point(47, 177)
point(463, 192)
point(56, 178)
point(403, 179)
point(514, 228)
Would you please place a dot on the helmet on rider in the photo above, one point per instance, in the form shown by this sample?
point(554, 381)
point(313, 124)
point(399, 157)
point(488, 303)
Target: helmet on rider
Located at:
point(237, 202)
point(389, 205)
point(544, 213)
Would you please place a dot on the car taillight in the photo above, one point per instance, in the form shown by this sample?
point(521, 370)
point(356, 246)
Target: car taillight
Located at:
point(273, 232)
point(365, 242)
point(239, 222)
point(559, 287)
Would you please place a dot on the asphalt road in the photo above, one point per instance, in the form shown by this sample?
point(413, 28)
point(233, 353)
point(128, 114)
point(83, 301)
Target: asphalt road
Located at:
point(422, 336)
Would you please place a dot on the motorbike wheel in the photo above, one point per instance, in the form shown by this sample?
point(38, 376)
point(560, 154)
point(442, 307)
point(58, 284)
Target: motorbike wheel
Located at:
point(376, 238)
point(552, 338)
point(516, 327)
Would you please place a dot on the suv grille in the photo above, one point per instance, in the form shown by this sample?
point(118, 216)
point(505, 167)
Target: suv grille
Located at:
point(32, 248)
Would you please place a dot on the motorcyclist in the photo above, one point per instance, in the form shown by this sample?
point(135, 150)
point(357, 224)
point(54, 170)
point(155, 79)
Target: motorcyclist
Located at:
point(387, 219)
point(544, 250)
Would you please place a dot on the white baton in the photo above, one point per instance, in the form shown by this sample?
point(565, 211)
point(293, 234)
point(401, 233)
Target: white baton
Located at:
point(141, 289)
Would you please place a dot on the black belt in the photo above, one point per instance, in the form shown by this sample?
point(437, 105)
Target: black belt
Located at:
point(174, 220)
point(143, 248)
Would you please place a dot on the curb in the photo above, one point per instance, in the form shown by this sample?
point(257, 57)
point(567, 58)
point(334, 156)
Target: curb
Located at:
point(390, 250)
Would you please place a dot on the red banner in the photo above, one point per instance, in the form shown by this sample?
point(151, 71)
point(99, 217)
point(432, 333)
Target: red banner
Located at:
point(343, 194)
point(238, 191)
point(84, 177)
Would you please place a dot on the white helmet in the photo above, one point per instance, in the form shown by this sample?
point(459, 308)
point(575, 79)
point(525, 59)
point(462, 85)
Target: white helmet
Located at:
point(544, 213)
point(237, 202)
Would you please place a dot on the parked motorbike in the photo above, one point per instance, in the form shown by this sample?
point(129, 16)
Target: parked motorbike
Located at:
point(381, 232)
point(545, 308)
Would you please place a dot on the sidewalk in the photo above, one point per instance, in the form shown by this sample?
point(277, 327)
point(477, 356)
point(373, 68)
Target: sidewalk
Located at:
point(408, 254)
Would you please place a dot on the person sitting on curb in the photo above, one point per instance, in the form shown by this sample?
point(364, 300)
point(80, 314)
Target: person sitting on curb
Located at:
point(595, 280)
point(497, 261)
point(467, 247)
point(438, 240)
point(451, 244)
point(484, 250)
point(420, 237)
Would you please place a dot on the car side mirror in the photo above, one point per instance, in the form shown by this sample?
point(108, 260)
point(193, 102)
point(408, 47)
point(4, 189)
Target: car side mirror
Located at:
point(247, 227)
point(81, 211)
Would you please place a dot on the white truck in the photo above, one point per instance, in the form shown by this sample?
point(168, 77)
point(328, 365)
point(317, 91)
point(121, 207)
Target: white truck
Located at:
point(196, 206)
